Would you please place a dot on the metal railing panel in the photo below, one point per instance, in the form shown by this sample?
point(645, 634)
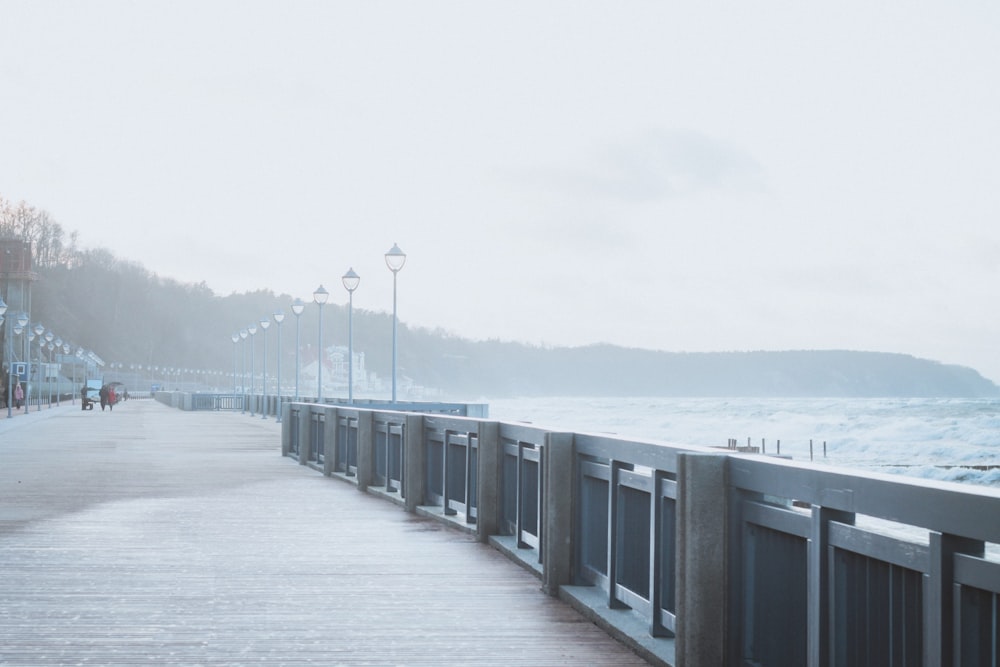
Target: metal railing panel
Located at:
point(977, 631)
point(633, 531)
point(317, 436)
point(509, 484)
point(395, 457)
point(592, 518)
point(529, 496)
point(459, 474)
point(774, 597)
point(664, 557)
point(878, 612)
point(389, 453)
point(345, 456)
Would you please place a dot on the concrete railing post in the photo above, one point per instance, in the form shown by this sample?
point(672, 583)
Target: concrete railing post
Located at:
point(488, 481)
point(414, 462)
point(366, 450)
point(305, 433)
point(558, 502)
point(331, 433)
point(286, 431)
point(940, 617)
point(702, 504)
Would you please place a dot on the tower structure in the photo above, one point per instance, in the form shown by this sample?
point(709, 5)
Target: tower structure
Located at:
point(16, 277)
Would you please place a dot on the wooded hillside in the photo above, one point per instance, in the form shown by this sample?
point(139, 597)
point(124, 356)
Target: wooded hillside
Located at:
point(127, 314)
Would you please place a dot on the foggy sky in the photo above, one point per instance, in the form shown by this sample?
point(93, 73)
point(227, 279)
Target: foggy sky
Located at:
point(743, 176)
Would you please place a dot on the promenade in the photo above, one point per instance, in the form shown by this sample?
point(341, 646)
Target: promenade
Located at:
point(149, 535)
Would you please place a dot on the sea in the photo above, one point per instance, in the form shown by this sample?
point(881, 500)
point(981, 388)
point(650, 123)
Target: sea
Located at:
point(945, 439)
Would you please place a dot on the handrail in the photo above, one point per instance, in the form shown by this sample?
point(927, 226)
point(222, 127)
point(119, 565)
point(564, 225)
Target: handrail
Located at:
point(722, 558)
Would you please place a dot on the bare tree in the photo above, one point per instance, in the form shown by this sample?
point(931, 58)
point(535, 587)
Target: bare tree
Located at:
point(24, 222)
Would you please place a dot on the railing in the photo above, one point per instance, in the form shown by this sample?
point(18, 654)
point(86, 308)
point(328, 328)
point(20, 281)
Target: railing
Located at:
point(690, 555)
point(196, 401)
point(216, 402)
point(270, 406)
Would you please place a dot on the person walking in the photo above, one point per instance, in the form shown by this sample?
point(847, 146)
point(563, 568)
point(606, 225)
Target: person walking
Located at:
point(18, 395)
point(111, 397)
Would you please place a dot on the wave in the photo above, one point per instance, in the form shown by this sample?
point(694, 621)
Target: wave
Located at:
point(943, 439)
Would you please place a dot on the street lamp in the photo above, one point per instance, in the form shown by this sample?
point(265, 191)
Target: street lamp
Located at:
point(59, 344)
point(19, 324)
point(320, 296)
point(351, 281)
point(48, 369)
point(252, 330)
point(39, 332)
point(48, 341)
point(394, 259)
point(279, 317)
point(10, 361)
point(66, 349)
point(3, 310)
point(243, 377)
point(265, 322)
point(27, 382)
point(297, 307)
point(10, 365)
point(236, 339)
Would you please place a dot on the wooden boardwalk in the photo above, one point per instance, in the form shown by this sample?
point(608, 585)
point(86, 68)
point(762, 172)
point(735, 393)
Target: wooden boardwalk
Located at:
point(153, 536)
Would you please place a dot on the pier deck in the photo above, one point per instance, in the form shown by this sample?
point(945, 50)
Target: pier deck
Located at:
point(149, 535)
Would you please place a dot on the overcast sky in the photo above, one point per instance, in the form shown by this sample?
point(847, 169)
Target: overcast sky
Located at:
point(711, 176)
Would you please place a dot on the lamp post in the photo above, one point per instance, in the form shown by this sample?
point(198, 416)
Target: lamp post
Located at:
point(19, 324)
point(48, 371)
point(265, 322)
point(39, 332)
point(72, 388)
point(351, 281)
point(3, 311)
point(59, 344)
point(252, 330)
point(394, 259)
point(79, 356)
point(236, 339)
point(48, 343)
point(27, 381)
point(7, 356)
point(297, 307)
point(320, 296)
point(279, 317)
point(10, 364)
point(243, 377)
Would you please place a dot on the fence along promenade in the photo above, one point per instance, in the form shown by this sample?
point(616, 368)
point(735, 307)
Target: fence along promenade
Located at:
point(150, 535)
point(694, 556)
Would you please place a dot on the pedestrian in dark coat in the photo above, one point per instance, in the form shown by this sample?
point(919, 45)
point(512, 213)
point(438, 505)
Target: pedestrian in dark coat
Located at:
point(104, 396)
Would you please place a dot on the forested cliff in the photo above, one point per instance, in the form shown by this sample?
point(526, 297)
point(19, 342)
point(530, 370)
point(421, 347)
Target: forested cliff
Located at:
point(126, 314)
